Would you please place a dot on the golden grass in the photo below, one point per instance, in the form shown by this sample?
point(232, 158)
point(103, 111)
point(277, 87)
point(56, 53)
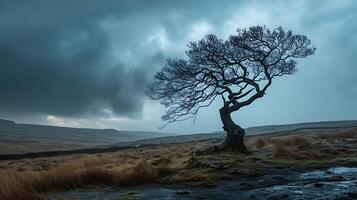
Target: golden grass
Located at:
point(143, 172)
point(32, 178)
point(14, 185)
point(302, 147)
point(298, 141)
point(337, 136)
point(32, 185)
point(294, 153)
point(258, 142)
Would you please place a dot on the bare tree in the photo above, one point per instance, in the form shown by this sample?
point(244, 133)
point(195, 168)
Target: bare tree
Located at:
point(239, 70)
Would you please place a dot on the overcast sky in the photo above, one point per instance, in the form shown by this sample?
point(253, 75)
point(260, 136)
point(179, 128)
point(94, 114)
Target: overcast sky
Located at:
point(86, 63)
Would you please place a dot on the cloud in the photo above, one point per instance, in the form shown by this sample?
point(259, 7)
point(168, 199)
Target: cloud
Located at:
point(89, 62)
point(75, 59)
point(58, 121)
point(58, 60)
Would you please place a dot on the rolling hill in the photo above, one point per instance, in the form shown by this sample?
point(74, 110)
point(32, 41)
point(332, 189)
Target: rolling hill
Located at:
point(28, 138)
point(24, 138)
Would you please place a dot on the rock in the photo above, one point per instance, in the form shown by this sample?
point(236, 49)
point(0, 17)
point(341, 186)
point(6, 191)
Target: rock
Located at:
point(318, 185)
point(214, 164)
point(234, 171)
point(225, 177)
point(352, 195)
point(160, 161)
point(201, 197)
point(249, 172)
point(248, 185)
point(285, 196)
point(182, 192)
point(279, 197)
point(345, 198)
point(208, 184)
point(338, 178)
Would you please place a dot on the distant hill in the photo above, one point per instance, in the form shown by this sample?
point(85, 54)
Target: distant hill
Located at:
point(301, 126)
point(24, 138)
point(259, 130)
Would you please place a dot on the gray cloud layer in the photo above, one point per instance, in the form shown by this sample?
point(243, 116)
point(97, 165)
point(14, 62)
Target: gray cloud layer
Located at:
point(56, 56)
point(94, 58)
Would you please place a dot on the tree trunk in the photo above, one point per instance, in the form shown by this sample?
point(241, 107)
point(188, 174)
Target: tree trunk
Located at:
point(234, 140)
point(235, 134)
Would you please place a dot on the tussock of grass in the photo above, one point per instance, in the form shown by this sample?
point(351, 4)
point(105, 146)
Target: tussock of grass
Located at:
point(32, 185)
point(290, 140)
point(294, 153)
point(297, 147)
point(18, 185)
point(292, 147)
point(143, 172)
point(337, 136)
point(258, 142)
point(298, 141)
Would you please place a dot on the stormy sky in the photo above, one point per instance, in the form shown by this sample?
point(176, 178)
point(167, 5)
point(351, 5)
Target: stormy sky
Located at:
point(86, 63)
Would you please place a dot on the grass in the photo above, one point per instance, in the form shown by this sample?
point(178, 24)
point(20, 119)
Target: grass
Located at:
point(33, 185)
point(304, 146)
point(32, 179)
point(258, 142)
point(143, 172)
point(15, 186)
point(295, 147)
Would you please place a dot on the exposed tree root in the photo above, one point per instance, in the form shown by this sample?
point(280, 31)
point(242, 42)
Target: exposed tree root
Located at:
point(223, 146)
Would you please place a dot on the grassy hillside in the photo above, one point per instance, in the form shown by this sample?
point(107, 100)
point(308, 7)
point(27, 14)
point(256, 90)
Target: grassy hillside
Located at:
point(27, 138)
point(24, 138)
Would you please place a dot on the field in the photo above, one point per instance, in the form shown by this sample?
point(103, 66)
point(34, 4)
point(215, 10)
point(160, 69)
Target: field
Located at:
point(175, 163)
point(16, 138)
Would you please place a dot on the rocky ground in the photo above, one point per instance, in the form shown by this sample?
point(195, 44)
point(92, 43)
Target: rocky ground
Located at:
point(286, 183)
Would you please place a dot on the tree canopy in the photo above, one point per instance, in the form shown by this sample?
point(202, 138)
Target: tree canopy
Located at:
point(239, 69)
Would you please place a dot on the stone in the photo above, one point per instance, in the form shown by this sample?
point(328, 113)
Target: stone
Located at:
point(182, 192)
point(318, 185)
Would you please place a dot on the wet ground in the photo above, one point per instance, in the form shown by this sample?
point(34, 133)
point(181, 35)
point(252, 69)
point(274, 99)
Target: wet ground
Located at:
point(277, 183)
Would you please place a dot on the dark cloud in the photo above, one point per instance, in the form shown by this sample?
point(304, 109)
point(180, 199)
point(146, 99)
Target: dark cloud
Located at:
point(54, 60)
point(56, 57)
point(75, 59)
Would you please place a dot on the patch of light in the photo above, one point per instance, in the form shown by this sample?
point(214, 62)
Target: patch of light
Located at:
point(251, 15)
point(160, 38)
point(58, 121)
point(199, 30)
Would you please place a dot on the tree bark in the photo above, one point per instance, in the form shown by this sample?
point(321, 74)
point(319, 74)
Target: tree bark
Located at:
point(235, 134)
point(234, 140)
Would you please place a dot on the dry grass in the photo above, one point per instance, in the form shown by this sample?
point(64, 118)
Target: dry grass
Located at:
point(295, 147)
point(258, 142)
point(288, 140)
point(32, 185)
point(299, 141)
point(143, 172)
point(337, 136)
point(14, 185)
point(31, 179)
point(303, 146)
point(294, 153)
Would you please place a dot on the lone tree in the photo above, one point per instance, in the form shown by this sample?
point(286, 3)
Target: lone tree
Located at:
point(239, 70)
